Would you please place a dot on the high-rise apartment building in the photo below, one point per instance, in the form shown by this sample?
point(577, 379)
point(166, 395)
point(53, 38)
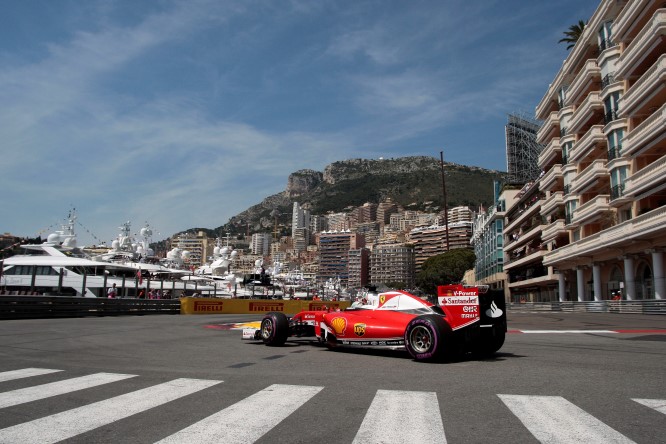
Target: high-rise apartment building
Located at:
point(488, 241)
point(604, 159)
point(358, 268)
point(260, 243)
point(430, 241)
point(334, 249)
point(393, 263)
point(384, 211)
point(338, 221)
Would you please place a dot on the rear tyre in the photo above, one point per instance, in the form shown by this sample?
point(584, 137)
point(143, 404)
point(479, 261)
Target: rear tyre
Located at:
point(274, 329)
point(425, 337)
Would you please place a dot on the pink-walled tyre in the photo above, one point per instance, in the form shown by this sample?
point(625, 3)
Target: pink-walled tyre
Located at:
point(425, 337)
point(274, 328)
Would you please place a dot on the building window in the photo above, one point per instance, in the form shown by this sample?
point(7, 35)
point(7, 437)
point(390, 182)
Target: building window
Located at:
point(618, 176)
point(566, 152)
point(614, 140)
point(562, 96)
point(604, 36)
point(611, 106)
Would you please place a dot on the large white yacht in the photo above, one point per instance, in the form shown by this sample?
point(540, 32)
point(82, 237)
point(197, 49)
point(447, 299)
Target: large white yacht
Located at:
point(59, 267)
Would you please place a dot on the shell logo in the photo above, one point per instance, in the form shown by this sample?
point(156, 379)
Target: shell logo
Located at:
point(359, 329)
point(339, 324)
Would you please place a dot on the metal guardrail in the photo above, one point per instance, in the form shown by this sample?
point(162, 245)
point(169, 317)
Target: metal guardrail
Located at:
point(627, 307)
point(26, 307)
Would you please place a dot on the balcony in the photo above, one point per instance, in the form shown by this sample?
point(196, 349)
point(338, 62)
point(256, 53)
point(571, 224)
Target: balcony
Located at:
point(590, 176)
point(552, 203)
point(549, 128)
point(551, 178)
point(646, 226)
point(553, 231)
point(648, 92)
point(652, 177)
point(529, 255)
point(650, 40)
point(586, 81)
point(618, 196)
point(646, 135)
point(631, 19)
point(592, 210)
point(587, 143)
point(515, 243)
point(551, 153)
point(564, 115)
point(523, 216)
point(591, 109)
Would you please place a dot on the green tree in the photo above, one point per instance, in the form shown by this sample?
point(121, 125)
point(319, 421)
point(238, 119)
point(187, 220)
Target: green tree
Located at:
point(573, 34)
point(445, 268)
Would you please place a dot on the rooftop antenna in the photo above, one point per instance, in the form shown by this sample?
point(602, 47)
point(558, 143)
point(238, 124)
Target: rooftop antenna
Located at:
point(446, 211)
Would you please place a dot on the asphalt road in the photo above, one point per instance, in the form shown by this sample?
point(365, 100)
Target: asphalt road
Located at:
point(152, 377)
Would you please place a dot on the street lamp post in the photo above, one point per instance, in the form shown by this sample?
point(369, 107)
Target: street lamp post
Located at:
point(446, 211)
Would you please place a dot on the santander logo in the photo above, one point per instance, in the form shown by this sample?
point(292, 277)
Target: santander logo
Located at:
point(494, 311)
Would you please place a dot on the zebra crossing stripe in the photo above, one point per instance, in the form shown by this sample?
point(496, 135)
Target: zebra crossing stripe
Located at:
point(67, 424)
point(25, 373)
point(249, 419)
point(657, 404)
point(553, 419)
point(21, 396)
point(402, 417)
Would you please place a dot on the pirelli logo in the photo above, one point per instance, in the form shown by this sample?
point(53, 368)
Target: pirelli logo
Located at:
point(208, 306)
point(321, 306)
point(266, 306)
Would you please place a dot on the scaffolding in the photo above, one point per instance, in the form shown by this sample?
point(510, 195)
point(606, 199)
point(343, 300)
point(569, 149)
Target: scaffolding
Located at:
point(522, 149)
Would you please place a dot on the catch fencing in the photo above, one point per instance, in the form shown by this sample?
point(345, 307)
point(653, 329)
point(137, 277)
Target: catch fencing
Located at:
point(655, 306)
point(26, 307)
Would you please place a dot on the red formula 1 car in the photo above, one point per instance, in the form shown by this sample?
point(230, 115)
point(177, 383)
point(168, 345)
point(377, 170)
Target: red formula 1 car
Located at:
point(465, 319)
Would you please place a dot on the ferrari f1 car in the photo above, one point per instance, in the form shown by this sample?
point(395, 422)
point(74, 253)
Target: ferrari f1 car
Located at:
point(464, 319)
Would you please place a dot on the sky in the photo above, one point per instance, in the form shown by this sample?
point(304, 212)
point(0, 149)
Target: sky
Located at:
point(182, 114)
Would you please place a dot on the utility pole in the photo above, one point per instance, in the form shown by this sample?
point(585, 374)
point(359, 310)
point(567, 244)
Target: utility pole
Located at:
point(446, 211)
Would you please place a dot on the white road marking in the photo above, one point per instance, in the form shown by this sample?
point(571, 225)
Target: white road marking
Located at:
point(657, 404)
point(29, 394)
point(568, 331)
point(249, 419)
point(402, 417)
point(553, 419)
point(25, 373)
point(67, 424)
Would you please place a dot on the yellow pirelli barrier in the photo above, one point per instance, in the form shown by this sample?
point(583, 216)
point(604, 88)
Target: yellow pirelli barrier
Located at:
point(252, 306)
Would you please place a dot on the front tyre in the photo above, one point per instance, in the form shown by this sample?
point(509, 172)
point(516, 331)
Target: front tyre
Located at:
point(425, 337)
point(274, 329)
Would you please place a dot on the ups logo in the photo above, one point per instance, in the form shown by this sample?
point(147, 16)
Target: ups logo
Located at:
point(359, 329)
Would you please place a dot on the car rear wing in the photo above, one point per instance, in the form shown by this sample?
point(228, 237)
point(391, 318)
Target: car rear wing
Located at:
point(467, 304)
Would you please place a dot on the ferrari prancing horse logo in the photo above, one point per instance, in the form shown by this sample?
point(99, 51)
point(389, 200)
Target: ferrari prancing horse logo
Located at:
point(359, 329)
point(382, 299)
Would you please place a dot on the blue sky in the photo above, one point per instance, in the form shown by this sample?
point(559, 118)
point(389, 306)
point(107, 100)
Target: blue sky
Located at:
point(185, 113)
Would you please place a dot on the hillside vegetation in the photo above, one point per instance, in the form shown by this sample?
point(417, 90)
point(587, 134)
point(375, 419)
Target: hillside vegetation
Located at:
point(412, 182)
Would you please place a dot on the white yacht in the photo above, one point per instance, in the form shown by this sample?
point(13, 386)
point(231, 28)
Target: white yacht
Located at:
point(59, 267)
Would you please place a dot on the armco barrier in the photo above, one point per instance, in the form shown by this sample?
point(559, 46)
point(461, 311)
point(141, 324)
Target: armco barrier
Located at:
point(26, 307)
point(254, 306)
point(653, 306)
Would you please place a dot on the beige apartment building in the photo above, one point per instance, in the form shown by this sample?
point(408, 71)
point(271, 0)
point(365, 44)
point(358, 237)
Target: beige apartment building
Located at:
point(602, 194)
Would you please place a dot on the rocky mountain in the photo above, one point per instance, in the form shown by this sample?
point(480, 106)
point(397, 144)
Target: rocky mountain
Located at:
point(413, 182)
